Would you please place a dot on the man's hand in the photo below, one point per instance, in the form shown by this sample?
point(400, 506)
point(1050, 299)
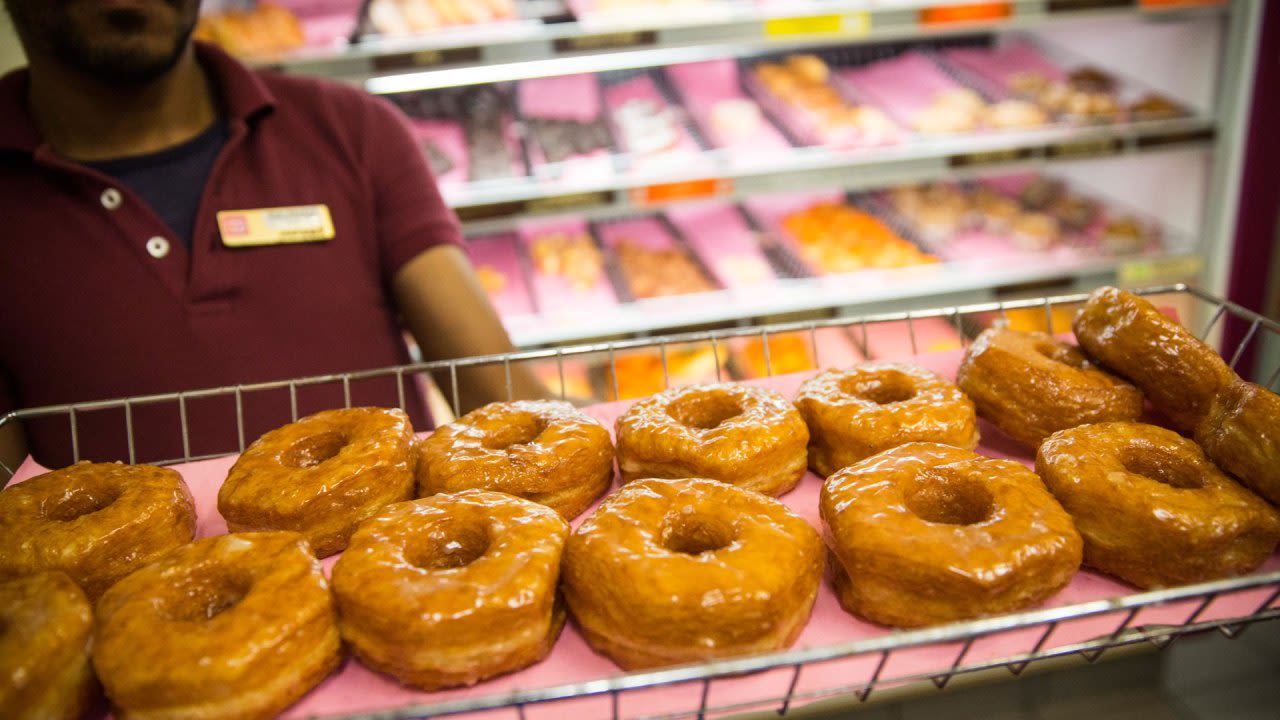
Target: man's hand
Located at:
point(451, 317)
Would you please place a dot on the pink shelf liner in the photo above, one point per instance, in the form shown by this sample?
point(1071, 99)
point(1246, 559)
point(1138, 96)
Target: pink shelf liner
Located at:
point(771, 210)
point(684, 154)
point(566, 97)
point(646, 232)
point(901, 86)
point(356, 689)
point(999, 65)
point(324, 22)
point(703, 84)
point(500, 253)
point(725, 244)
point(557, 298)
point(452, 141)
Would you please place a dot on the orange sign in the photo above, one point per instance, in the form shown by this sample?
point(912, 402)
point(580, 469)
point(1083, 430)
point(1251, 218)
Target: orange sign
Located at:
point(684, 190)
point(970, 12)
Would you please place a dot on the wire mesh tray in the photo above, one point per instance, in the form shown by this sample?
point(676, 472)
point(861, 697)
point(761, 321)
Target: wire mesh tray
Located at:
point(852, 669)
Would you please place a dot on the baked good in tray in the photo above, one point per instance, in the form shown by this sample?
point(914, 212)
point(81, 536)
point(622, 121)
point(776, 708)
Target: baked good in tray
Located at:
point(542, 450)
point(46, 626)
point(835, 238)
point(674, 571)
point(97, 522)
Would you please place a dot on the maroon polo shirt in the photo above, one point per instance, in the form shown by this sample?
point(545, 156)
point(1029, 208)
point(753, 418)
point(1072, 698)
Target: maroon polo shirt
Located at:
point(99, 300)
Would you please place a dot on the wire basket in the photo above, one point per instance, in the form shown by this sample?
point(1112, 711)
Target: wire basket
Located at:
point(1088, 628)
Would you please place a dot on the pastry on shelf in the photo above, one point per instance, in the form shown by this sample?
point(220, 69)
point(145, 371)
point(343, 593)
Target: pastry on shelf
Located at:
point(836, 238)
point(264, 30)
point(1153, 106)
point(641, 374)
point(491, 279)
point(788, 353)
point(996, 210)
point(801, 81)
point(646, 128)
point(735, 118)
point(573, 256)
point(1014, 114)
point(1035, 231)
point(1041, 193)
point(1075, 213)
point(653, 272)
point(403, 17)
point(1124, 235)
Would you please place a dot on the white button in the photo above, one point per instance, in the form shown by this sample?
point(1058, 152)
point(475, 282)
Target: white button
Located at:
point(111, 198)
point(157, 247)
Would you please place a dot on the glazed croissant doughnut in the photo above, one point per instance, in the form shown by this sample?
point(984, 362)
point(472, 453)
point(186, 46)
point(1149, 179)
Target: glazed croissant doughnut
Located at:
point(542, 450)
point(1178, 373)
point(454, 588)
point(1031, 385)
point(1241, 433)
point(927, 533)
point(1151, 507)
point(321, 475)
point(857, 412)
point(97, 522)
point(738, 434)
point(45, 626)
point(674, 571)
point(233, 626)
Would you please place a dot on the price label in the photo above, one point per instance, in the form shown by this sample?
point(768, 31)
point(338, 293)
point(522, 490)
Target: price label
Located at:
point(606, 41)
point(1158, 270)
point(1076, 149)
point(990, 157)
point(851, 24)
point(676, 191)
point(971, 12)
point(1059, 6)
point(1183, 138)
point(1161, 4)
point(426, 58)
point(535, 206)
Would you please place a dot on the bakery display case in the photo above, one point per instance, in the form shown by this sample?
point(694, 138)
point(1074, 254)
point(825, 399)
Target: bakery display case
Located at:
point(837, 656)
point(679, 124)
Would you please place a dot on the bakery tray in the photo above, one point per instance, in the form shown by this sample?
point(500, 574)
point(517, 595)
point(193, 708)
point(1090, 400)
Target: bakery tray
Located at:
point(837, 655)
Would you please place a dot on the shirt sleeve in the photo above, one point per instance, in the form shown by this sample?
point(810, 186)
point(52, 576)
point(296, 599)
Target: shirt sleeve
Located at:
point(411, 215)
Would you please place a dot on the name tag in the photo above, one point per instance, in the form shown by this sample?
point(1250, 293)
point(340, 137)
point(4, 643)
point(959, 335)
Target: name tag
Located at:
point(275, 226)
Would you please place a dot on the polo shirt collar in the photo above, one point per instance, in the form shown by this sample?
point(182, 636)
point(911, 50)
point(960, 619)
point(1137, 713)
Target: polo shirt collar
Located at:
point(244, 97)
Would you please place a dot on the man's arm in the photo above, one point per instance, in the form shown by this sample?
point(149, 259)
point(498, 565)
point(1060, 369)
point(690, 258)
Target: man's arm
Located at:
point(450, 316)
point(13, 450)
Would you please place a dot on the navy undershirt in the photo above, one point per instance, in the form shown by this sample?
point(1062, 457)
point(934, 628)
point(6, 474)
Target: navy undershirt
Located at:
point(172, 180)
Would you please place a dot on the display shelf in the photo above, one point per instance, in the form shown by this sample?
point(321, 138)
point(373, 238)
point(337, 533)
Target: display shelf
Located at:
point(492, 205)
point(535, 48)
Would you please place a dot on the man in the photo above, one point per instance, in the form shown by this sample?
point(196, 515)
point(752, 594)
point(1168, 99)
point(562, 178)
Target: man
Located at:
point(170, 220)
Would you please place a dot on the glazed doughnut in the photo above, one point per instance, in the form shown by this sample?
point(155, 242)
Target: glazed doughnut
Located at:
point(1241, 433)
point(97, 522)
point(1151, 507)
point(454, 588)
point(1179, 374)
point(541, 450)
point(45, 627)
point(926, 533)
point(1031, 385)
point(232, 626)
point(321, 475)
point(855, 413)
point(738, 434)
point(674, 571)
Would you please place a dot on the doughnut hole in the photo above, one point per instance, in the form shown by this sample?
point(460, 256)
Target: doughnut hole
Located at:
point(704, 411)
point(452, 543)
point(314, 449)
point(1161, 465)
point(79, 501)
point(1061, 353)
point(885, 388)
point(203, 599)
point(520, 429)
point(695, 534)
point(943, 497)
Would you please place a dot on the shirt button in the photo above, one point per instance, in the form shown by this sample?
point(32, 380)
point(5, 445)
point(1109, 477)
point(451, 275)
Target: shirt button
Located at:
point(157, 247)
point(111, 198)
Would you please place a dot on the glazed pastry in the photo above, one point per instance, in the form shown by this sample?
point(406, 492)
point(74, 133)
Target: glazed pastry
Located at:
point(1034, 231)
point(321, 475)
point(1241, 433)
point(46, 624)
point(855, 413)
point(1124, 235)
point(1178, 373)
point(540, 450)
point(677, 571)
point(97, 522)
point(742, 435)
point(927, 533)
point(1153, 510)
point(1014, 114)
point(233, 626)
point(1031, 385)
point(452, 589)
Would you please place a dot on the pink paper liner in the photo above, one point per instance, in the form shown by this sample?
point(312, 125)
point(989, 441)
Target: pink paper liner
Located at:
point(999, 65)
point(902, 86)
point(647, 232)
point(565, 97)
point(355, 689)
point(724, 243)
point(501, 253)
point(703, 84)
point(684, 154)
point(557, 298)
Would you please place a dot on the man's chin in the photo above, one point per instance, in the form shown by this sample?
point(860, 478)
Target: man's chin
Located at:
point(124, 45)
